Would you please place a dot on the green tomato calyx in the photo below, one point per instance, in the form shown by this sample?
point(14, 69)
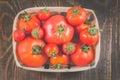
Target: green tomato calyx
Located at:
point(44, 10)
point(85, 48)
point(58, 66)
point(35, 33)
point(92, 30)
point(53, 53)
point(37, 50)
point(70, 47)
point(27, 16)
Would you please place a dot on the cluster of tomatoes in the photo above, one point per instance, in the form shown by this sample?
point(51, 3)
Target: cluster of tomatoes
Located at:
point(57, 40)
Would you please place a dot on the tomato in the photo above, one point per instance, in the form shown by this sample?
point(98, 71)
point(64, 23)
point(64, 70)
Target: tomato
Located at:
point(59, 61)
point(68, 48)
point(76, 15)
point(27, 22)
point(30, 53)
point(83, 56)
point(43, 14)
point(57, 30)
point(51, 50)
point(18, 35)
point(37, 33)
point(89, 36)
point(82, 27)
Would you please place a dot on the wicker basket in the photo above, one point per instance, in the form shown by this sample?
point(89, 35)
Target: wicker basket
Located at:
point(41, 69)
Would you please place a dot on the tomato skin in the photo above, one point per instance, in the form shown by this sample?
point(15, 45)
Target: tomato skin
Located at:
point(25, 52)
point(37, 33)
point(33, 22)
point(82, 27)
point(43, 14)
point(68, 48)
point(87, 38)
point(76, 15)
point(81, 58)
point(51, 50)
point(18, 35)
point(57, 30)
point(59, 59)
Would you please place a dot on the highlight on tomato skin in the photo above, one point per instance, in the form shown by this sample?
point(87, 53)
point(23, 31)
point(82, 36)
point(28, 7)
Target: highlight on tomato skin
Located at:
point(44, 14)
point(76, 15)
point(83, 56)
point(18, 35)
point(29, 52)
point(69, 48)
point(89, 36)
point(57, 30)
point(28, 21)
point(82, 27)
point(51, 49)
point(37, 33)
point(59, 61)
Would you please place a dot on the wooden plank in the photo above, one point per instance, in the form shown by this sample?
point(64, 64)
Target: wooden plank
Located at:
point(108, 13)
point(116, 42)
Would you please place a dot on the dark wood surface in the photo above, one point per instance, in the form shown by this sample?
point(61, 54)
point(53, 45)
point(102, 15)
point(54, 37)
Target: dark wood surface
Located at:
point(108, 13)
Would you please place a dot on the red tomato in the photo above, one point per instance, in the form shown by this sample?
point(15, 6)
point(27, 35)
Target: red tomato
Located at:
point(76, 15)
point(59, 61)
point(27, 22)
point(51, 50)
point(83, 56)
point(29, 52)
point(57, 30)
point(82, 27)
point(68, 48)
point(37, 33)
point(43, 14)
point(89, 36)
point(18, 35)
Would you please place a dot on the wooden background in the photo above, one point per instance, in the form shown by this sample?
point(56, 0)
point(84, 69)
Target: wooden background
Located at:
point(108, 13)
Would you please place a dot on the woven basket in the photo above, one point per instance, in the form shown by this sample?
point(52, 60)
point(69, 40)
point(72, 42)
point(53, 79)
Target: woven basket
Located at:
point(41, 69)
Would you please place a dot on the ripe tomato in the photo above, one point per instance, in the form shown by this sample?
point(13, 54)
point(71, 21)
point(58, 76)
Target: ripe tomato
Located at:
point(27, 22)
point(37, 33)
point(76, 15)
point(30, 53)
point(82, 27)
point(68, 48)
point(59, 61)
point(18, 35)
point(89, 36)
point(43, 14)
point(51, 50)
point(57, 30)
point(83, 56)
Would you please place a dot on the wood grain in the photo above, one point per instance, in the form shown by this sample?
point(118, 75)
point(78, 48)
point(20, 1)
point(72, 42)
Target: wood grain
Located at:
point(108, 13)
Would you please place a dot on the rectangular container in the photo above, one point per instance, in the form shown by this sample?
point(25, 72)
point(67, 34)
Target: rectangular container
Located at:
point(73, 68)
